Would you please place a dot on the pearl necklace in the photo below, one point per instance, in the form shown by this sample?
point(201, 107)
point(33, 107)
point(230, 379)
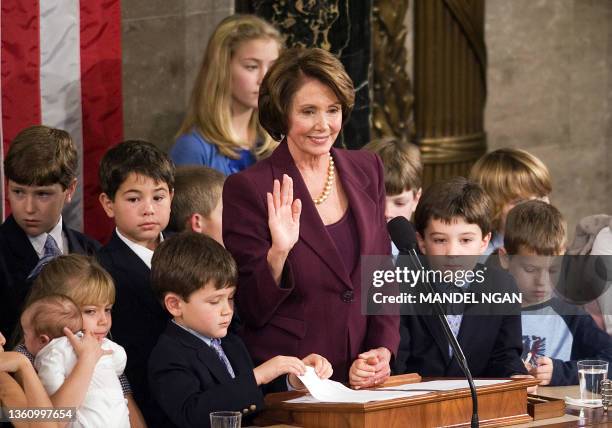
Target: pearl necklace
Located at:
point(328, 183)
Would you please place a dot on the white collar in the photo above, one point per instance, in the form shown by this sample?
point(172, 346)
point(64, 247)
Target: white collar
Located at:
point(203, 338)
point(141, 251)
point(38, 242)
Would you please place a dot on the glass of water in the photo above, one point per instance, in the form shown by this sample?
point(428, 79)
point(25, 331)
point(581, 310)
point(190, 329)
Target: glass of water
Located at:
point(590, 375)
point(225, 419)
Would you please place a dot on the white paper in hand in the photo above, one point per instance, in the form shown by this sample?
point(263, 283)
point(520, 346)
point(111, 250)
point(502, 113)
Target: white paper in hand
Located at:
point(329, 391)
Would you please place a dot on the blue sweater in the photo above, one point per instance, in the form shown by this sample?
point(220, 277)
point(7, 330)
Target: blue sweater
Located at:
point(193, 149)
point(565, 334)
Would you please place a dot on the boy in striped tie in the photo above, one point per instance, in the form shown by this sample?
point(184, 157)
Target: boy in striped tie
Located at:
point(197, 367)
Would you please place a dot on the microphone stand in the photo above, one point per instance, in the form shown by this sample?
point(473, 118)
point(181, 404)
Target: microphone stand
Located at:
point(457, 351)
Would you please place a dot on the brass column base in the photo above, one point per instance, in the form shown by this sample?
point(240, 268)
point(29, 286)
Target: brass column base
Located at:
point(447, 157)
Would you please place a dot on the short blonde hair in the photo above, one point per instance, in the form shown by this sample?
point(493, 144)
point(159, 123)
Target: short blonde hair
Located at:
point(402, 162)
point(209, 110)
point(509, 174)
point(535, 226)
point(79, 277)
point(50, 314)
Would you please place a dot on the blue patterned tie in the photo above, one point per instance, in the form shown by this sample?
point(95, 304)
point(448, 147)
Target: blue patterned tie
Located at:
point(216, 345)
point(51, 251)
point(454, 321)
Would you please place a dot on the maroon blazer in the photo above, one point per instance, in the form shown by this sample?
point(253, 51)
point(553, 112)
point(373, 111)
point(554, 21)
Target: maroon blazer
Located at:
point(317, 307)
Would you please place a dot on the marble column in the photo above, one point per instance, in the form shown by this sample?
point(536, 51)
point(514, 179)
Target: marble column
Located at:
point(340, 26)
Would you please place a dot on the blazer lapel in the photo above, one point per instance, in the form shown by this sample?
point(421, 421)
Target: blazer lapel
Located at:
point(233, 352)
point(312, 229)
point(214, 364)
point(134, 268)
point(355, 182)
point(432, 323)
point(74, 246)
point(205, 353)
point(20, 245)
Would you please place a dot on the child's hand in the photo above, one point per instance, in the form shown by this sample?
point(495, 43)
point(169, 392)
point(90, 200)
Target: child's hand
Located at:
point(12, 362)
point(86, 347)
point(277, 366)
point(322, 368)
point(543, 370)
point(370, 368)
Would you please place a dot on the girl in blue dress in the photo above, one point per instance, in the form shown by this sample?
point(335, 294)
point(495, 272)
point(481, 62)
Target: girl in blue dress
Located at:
point(221, 128)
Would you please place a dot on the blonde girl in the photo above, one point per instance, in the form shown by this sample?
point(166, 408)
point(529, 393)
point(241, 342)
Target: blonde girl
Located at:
point(221, 128)
point(510, 176)
point(84, 281)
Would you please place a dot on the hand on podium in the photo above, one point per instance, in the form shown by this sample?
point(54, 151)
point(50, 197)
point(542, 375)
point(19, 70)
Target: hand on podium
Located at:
point(370, 368)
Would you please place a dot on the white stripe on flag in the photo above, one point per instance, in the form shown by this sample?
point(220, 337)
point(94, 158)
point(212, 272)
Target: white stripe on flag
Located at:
point(60, 83)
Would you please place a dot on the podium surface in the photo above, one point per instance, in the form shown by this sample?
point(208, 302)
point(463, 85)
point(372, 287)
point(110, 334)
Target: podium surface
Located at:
point(498, 405)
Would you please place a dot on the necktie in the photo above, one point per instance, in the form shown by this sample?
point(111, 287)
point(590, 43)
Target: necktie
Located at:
point(216, 345)
point(51, 251)
point(454, 321)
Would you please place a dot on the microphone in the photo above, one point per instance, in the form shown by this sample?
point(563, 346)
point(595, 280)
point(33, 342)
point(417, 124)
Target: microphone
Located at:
point(403, 236)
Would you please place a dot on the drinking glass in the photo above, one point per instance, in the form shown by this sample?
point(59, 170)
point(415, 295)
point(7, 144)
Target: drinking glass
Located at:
point(590, 375)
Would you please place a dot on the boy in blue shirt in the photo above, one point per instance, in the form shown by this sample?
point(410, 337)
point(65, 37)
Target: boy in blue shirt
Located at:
point(555, 334)
point(197, 367)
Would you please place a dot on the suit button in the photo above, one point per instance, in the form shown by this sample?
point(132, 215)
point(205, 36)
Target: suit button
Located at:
point(347, 296)
point(252, 407)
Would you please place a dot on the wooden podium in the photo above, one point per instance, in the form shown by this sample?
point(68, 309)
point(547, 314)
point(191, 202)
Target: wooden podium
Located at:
point(498, 405)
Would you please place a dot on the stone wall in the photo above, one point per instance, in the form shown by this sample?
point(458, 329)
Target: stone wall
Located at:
point(549, 82)
point(163, 43)
point(549, 92)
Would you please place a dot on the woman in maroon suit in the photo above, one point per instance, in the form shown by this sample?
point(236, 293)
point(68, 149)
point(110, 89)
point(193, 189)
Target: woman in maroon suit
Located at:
point(298, 222)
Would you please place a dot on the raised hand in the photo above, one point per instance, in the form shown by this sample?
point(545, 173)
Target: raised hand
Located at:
point(283, 215)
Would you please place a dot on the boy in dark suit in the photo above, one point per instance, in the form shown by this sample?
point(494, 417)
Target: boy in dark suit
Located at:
point(453, 227)
point(197, 367)
point(137, 181)
point(41, 171)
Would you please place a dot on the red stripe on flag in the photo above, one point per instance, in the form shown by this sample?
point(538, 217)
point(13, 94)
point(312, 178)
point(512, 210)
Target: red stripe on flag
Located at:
point(20, 56)
point(101, 101)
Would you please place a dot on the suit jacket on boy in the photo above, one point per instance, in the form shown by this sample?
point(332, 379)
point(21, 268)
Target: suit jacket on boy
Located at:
point(188, 379)
point(492, 344)
point(18, 260)
point(138, 317)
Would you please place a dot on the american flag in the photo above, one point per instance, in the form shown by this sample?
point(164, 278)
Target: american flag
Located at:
point(61, 67)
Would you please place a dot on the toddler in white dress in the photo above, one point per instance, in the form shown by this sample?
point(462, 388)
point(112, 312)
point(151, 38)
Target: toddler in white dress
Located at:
point(43, 320)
